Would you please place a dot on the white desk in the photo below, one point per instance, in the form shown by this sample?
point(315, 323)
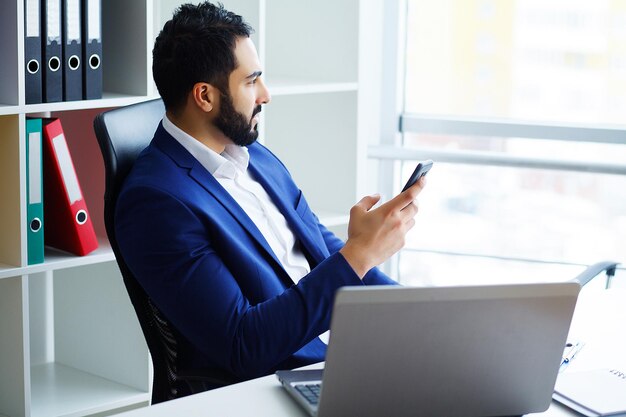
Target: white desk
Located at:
point(597, 321)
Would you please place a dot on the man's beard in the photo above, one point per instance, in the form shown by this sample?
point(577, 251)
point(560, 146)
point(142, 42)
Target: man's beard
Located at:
point(234, 124)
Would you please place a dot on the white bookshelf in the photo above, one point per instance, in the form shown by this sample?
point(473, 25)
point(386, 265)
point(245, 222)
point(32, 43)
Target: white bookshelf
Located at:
point(60, 390)
point(57, 259)
point(71, 344)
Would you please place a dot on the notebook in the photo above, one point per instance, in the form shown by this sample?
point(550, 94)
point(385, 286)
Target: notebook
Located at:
point(594, 393)
point(444, 351)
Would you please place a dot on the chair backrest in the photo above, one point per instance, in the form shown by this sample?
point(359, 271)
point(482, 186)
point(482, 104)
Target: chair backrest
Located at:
point(122, 134)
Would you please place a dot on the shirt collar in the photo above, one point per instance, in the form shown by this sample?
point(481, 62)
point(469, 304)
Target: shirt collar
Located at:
point(238, 155)
point(222, 165)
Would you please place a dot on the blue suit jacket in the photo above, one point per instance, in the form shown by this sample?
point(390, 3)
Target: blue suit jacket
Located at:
point(213, 275)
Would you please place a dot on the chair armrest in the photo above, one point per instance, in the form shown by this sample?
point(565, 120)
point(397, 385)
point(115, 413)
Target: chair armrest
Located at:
point(594, 270)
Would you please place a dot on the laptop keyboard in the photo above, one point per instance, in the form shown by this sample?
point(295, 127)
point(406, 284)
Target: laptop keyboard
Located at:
point(309, 391)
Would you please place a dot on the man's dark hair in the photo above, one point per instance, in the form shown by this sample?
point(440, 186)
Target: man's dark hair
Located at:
point(196, 45)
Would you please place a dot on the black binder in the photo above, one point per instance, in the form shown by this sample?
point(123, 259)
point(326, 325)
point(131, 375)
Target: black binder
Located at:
point(92, 49)
point(32, 50)
point(72, 51)
point(52, 40)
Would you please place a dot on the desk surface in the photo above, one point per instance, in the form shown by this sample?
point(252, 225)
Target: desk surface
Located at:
point(263, 397)
point(596, 321)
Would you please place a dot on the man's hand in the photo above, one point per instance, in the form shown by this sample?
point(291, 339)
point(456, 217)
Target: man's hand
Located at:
point(374, 235)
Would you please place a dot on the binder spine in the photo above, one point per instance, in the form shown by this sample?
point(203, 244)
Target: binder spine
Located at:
point(92, 49)
point(68, 223)
point(52, 51)
point(34, 192)
point(32, 51)
point(72, 51)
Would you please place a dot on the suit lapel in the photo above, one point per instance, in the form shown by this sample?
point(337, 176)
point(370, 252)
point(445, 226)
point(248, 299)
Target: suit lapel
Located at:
point(286, 208)
point(184, 159)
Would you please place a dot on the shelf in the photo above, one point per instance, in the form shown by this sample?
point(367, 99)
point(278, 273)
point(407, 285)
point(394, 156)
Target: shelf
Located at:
point(281, 86)
point(107, 100)
point(59, 390)
point(7, 109)
point(56, 259)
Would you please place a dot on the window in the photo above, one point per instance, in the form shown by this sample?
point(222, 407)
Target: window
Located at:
point(557, 60)
point(522, 105)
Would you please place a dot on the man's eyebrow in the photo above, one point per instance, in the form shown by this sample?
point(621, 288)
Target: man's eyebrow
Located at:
point(255, 74)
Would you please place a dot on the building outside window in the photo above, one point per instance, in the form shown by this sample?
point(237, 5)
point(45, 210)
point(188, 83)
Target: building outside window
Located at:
point(522, 105)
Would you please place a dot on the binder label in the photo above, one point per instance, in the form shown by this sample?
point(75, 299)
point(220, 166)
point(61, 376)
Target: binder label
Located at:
point(32, 18)
point(93, 9)
point(53, 14)
point(72, 14)
point(67, 169)
point(34, 168)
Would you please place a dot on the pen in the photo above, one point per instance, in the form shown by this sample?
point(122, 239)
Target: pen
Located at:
point(574, 348)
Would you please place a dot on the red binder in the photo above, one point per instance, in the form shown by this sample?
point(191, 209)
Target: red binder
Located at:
point(68, 224)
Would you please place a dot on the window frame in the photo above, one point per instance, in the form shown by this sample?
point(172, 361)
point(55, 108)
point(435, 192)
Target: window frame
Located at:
point(395, 122)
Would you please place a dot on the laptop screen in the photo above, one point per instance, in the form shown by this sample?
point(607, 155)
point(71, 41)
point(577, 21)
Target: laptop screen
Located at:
point(446, 351)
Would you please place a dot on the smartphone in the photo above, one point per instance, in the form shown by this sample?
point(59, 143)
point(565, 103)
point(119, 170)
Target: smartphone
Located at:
point(421, 169)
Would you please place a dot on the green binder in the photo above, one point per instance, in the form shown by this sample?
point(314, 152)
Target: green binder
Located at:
point(34, 191)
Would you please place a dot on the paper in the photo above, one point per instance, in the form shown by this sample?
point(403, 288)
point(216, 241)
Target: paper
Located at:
point(93, 27)
point(32, 18)
point(72, 15)
point(67, 169)
point(600, 392)
point(53, 14)
point(34, 168)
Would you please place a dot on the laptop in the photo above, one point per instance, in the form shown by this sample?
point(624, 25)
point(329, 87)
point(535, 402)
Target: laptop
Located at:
point(443, 351)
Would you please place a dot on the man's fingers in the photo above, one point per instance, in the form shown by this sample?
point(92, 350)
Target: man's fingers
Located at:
point(410, 210)
point(405, 198)
point(416, 188)
point(367, 202)
point(410, 224)
point(399, 202)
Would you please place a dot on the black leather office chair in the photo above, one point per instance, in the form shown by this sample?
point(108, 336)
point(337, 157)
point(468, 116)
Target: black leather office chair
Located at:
point(122, 134)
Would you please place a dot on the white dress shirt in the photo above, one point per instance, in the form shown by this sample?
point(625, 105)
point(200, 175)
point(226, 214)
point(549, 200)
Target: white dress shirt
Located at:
point(230, 169)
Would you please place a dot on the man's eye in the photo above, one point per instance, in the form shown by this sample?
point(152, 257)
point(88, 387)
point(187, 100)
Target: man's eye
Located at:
point(253, 81)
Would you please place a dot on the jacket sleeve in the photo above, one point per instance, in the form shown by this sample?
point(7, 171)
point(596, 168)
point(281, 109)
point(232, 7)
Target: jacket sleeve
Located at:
point(170, 251)
point(374, 277)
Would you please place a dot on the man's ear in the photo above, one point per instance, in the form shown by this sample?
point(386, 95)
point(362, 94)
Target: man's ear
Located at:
point(204, 96)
